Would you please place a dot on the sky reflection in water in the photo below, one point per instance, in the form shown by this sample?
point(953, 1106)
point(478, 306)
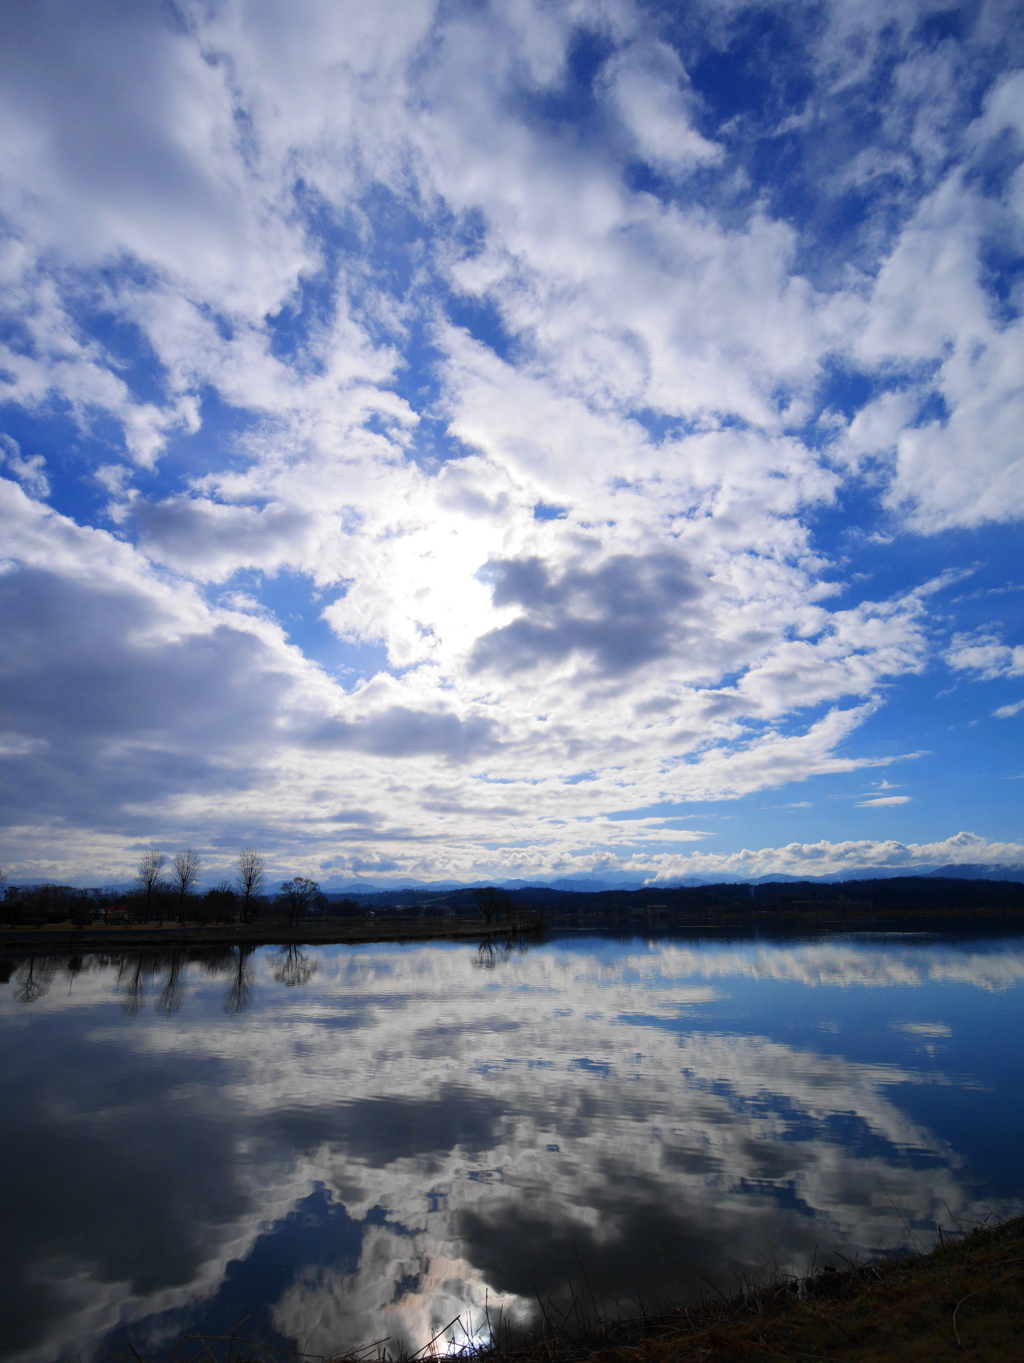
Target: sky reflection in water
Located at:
point(351, 1143)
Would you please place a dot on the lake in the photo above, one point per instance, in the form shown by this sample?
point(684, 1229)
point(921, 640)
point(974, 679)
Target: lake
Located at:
point(336, 1145)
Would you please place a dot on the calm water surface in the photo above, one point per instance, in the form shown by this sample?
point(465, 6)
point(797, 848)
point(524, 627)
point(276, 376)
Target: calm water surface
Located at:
point(351, 1143)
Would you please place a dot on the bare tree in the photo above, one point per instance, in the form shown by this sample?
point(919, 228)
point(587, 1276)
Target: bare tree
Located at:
point(184, 876)
point(150, 871)
point(492, 902)
point(298, 895)
point(251, 877)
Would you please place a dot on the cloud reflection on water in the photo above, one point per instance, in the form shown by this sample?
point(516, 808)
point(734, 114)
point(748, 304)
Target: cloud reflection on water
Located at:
point(473, 1136)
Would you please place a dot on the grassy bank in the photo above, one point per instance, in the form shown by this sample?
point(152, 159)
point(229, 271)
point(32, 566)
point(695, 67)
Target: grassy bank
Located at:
point(64, 937)
point(965, 1300)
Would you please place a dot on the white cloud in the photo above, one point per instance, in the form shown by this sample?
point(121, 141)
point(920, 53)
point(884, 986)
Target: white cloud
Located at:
point(29, 470)
point(931, 1030)
point(883, 800)
point(986, 656)
point(647, 86)
point(831, 858)
point(931, 312)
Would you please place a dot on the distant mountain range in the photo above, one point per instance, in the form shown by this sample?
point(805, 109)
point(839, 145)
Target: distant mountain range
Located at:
point(968, 871)
point(593, 884)
point(614, 881)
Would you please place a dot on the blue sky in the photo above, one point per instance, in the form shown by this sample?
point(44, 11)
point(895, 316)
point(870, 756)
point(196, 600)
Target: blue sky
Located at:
point(509, 439)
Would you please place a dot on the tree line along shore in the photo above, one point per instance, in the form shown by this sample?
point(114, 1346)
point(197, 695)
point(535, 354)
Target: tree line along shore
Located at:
point(165, 900)
point(165, 892)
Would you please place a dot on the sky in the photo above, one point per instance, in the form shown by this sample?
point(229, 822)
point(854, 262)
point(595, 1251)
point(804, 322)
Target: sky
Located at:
point(511, 440)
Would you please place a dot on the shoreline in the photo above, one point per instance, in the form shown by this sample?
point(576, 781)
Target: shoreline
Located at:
point(961, 1298)
point(385, 928)
point(61, 938)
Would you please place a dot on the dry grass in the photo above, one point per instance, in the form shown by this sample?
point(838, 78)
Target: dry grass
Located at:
point(962, 1301)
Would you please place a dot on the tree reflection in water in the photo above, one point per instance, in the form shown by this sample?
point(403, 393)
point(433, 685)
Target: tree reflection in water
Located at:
point(499, 947)
point(294, 967)
point(239, 996)
point(170, 998)
point(35, 979)
point(135, 970)
point(131, 985)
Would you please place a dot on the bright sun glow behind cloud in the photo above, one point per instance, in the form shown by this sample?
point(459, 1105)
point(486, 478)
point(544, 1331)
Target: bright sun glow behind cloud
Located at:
point(510, 439)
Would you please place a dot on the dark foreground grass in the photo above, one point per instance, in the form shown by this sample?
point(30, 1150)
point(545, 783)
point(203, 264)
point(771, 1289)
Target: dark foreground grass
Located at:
point(965, 1300)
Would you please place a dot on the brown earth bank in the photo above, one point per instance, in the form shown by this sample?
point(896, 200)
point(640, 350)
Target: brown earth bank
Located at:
point(98, 937)
point(964, 1300)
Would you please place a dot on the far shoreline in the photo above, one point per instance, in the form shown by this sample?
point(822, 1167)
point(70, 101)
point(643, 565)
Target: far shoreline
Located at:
point(401, 928)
